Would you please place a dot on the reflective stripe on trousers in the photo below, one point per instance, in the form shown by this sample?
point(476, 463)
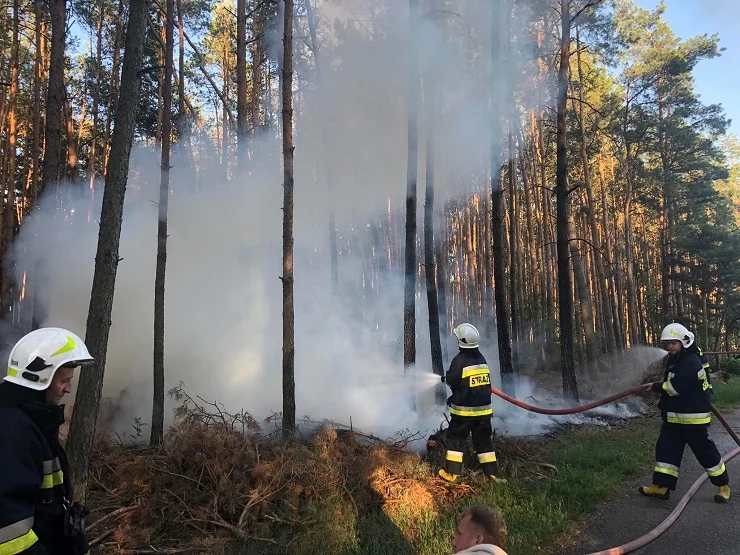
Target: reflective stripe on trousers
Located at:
point(17, 537)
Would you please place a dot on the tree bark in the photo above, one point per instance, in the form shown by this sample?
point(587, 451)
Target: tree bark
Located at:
point(242, 115)
point(515, 277)
point(585, 305)
point(565, 294)
point(288, 148)
point(256, 72)
point(113, 95)
point(89, 389)
point(55, 95)
point(430, 270)
point(9, 217)
point(157, 430)
point(409, 294)
point(503, 319)
point(593, 225)
point(441, 265)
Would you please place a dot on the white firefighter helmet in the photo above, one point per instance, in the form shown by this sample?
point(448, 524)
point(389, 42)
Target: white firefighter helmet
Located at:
point(467, 336)
point(677, 332)
point(36, 357)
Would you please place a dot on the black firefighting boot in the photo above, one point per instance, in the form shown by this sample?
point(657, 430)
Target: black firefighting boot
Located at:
point(655, 491)
point(722, 495)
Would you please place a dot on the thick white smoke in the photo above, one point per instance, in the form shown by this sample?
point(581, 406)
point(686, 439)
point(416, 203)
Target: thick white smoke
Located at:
point(223, 292)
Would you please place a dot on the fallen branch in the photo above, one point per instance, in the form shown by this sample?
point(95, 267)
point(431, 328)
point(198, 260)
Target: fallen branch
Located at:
point(105, 535)
point(114, 514)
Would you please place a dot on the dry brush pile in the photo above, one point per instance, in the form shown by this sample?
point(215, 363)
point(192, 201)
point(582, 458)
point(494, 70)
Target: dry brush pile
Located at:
point(218, 480)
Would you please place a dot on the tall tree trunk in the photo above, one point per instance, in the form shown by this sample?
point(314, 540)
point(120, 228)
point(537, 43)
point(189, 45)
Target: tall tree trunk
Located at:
point(288, 148)
point(256, 72)
point(9, 217)
point(183, 127)
point(157, 431)
point(37, 78)
point(665, 216)
point(90, 386)
point(72, 139)
point(591, 205)
point(585, 306)
point(409, 293)
point(441, 265)
point(532, 243)
point(55, 95)
point(96, 101)
point(430, 270)
point(241, 78)
point(328, 162)
point(629, 257)
point(565, 298)
point(498, 207)
point(113, 95)
point(515, 277)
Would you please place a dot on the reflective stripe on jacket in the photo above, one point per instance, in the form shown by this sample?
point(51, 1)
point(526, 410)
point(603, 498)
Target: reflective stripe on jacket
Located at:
point(685, 398)
point(470, 380)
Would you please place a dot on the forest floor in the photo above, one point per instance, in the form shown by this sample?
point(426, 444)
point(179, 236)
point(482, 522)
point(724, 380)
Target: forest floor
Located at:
point(218, 486)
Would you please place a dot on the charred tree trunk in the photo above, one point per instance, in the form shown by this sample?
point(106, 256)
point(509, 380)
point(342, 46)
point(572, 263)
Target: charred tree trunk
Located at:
point(409, 293)
point(288, 148)
point(157, 431)
point(565, 294)
point(89, 389)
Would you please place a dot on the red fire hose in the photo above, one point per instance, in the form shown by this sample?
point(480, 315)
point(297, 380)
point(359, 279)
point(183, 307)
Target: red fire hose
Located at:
point(663, 526)
point(572, 410)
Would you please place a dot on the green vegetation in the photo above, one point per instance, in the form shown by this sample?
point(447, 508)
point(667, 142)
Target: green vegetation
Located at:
point(727, 395)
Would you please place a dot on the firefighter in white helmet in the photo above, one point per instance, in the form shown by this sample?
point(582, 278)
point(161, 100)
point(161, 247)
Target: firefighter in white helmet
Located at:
point(37, 513)
point(470, 406)
point(685, 407)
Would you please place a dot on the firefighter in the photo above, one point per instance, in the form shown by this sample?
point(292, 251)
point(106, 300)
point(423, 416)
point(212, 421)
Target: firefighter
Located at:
point(37, 515)
point(470, 406)
point(685, 407)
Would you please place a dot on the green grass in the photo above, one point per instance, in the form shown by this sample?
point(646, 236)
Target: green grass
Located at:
point(727, 395)
point(593, 464)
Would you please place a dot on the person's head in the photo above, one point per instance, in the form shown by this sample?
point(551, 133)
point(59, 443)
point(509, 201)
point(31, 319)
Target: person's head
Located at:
point(44, 360)
point(479, 525)
point(675, 338)
point(467, 336)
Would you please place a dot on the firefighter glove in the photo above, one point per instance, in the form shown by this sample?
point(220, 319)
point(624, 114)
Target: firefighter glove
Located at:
point(657, 387)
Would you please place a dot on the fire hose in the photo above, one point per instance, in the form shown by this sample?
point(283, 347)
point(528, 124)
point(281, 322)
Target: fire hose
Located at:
point(663, 526)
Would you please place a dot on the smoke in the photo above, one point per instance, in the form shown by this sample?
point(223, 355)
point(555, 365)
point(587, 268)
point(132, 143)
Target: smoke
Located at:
point(223, 310)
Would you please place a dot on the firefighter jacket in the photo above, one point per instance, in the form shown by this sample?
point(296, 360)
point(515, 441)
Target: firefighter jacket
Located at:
point(35, 491)
point(470, 381)
point(685, 391)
